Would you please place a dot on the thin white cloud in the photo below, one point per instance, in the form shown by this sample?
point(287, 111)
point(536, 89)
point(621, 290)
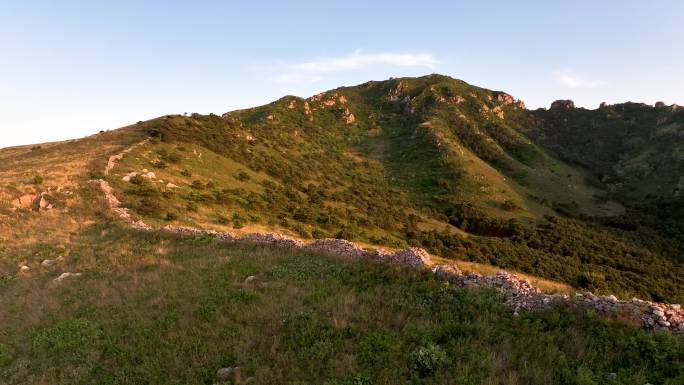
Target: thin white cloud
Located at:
point(316, 70)
point(570, 79)
point(294, 77)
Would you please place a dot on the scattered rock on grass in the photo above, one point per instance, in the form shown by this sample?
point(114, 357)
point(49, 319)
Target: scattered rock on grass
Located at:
point(224, 374)
point(250, 278)
point(66, 275)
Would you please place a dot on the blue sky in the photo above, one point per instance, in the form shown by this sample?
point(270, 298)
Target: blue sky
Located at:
point(72, 68)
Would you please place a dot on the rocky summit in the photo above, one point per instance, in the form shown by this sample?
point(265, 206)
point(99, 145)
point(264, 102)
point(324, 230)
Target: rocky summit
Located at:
point(562, 105)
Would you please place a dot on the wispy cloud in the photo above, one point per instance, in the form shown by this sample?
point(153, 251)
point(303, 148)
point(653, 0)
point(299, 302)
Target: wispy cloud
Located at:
point(319, 69)
point(570, 79)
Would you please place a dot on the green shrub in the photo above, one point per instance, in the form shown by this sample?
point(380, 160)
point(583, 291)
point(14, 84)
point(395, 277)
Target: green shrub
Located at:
point(426, 360)
point(148, 206)
point(238, 220)
point(319, 234)
point(301, 230)
point(159, 164)
point(509, 205)
point(243, 176)
point(139, 180)
point(173, 157)
point(221, 219)
point(591, 280)
point(95, 174)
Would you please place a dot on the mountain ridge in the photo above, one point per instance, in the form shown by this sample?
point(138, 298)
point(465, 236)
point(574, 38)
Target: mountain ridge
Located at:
point(261, 233)
point(433, 162)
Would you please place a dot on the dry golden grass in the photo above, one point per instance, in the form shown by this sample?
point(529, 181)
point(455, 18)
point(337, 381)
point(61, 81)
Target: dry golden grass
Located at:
point(63, 166)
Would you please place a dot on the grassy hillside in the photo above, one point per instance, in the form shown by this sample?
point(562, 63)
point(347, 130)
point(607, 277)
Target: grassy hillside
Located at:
point(634, 151)
point(429, 161)
point(161, 309)
point(462, 171)
point(58, 171)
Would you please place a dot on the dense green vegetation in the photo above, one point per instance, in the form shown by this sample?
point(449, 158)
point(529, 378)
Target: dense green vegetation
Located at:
point(161, 309)
point(634, 151)
point(424, 162)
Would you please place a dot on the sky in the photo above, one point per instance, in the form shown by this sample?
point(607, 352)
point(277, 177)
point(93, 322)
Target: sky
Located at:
point(72, 68)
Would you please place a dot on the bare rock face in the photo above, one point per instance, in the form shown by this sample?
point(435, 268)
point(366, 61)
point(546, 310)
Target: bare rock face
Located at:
point(659, 105)
point(562, 105)
point(24, 201)
point(604, 105)
point(507, 99)
point(349, 118)
point(458, 99)
point(498, 112)
point(675, 107)
point(412, 257)
point(307, 110)
point(399, 93)
point(42, 203)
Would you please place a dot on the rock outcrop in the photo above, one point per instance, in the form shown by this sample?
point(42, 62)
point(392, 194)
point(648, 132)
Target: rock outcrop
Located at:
point(24, 201)
point(36, 202)
point(506, 100)
point(562, 105)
